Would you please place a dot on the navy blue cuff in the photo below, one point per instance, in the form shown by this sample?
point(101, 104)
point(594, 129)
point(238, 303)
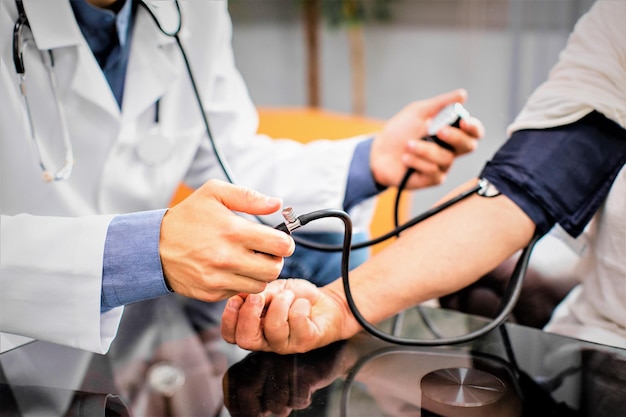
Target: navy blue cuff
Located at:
point(132, 268)
point(562, 174)
point(361, 184)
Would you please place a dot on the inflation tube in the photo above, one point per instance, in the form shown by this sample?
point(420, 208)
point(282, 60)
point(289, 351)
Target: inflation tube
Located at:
point(509, 300)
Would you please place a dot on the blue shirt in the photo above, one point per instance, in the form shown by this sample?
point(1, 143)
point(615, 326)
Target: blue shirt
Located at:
point(132, 268)
point(109, 36)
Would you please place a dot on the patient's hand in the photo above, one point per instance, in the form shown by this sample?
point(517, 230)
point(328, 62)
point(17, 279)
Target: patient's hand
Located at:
point(290, 316)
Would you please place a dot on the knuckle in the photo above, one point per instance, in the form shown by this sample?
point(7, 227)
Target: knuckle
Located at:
point(221, 260)
point(446, 163)
point(233, 229)
point(249, 194)
point(281, 349)
point(247, 343)
point(273, 326)
point(441, 178)
point(285, 246)
point(211, 185)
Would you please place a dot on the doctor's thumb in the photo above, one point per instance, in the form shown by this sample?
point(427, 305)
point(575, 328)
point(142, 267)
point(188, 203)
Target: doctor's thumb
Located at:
point(242, 199)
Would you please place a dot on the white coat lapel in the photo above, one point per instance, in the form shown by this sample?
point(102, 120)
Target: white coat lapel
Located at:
point(54, 27)
point(151, 72)
point(90, 83)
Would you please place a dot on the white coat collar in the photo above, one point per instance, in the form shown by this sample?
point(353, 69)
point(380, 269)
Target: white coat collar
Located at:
point(54, 27)
point(52, 23)
point(149, 73)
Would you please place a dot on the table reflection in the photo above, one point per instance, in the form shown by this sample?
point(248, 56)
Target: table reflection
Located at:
point(512, 372)
point(169, 360)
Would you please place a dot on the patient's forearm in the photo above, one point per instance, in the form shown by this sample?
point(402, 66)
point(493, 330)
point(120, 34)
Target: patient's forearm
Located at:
point(438, 256)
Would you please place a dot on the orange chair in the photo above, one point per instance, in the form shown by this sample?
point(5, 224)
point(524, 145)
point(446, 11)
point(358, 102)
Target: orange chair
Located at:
point(305, 124)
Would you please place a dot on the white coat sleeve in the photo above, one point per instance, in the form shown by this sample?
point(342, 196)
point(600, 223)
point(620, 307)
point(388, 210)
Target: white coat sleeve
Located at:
point(307, 177)
point(51, 280)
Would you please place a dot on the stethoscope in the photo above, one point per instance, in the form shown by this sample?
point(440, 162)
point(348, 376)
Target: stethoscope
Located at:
point(20, 44)
point(153, 152)
point(483, 188)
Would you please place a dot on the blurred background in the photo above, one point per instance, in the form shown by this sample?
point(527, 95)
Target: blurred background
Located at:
point(372, 57)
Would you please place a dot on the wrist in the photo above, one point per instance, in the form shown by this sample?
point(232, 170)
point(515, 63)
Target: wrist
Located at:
point(347, 326)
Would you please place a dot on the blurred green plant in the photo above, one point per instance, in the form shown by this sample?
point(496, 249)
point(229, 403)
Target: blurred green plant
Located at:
point(355, 12)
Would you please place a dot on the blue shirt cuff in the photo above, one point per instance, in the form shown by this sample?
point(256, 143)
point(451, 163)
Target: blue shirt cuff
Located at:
point(132, 268)
point(361, 184)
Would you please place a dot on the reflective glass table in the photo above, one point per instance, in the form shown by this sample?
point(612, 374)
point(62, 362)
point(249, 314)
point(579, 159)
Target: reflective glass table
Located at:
point(169, 360)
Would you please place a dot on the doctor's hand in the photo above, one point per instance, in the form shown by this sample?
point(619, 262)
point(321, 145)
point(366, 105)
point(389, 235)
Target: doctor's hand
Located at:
point(290, 316)
point(399, 147)
point(210, 253)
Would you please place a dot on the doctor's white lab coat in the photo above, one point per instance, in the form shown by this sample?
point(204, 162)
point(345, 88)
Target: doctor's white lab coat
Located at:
point(53, 233)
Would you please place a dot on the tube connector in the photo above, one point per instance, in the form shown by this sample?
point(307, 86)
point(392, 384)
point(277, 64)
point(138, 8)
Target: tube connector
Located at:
point(291, 221)
point(487, 189)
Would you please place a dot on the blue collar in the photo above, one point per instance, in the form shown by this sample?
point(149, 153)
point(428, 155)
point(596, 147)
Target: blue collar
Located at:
point(97, 24)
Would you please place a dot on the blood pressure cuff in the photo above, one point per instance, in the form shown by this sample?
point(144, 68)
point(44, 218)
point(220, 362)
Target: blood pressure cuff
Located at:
point(562, 174)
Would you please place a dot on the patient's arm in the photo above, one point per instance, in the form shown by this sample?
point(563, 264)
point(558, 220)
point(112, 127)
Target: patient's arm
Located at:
point(438, 256)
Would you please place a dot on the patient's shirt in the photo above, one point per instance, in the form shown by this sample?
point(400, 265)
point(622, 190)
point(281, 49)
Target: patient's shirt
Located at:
point(588, 80)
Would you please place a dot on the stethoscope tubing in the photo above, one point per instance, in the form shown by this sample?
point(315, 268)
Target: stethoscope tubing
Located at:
point(19, 46)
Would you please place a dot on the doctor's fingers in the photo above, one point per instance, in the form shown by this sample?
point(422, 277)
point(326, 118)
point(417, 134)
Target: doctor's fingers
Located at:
point(215, 286)
point(430, 162)
point(431, 106)
point(238, 198)
point(248, 272)
point(212, 273)
point(464, 139)
point(264, 239)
